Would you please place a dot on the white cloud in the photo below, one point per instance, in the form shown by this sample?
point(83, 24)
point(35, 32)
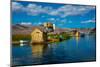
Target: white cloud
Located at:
point(16, 6)
point(33, 9)
point(64, 20)
point(39, 22)
point(89, 21)
point(63, 11)
point(67, 10)
point(26, 23)
point(52, 19)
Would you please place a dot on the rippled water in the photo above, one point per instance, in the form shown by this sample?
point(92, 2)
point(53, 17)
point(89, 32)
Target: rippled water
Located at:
point(76, 49)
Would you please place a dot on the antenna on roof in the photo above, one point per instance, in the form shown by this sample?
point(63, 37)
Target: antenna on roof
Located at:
point(53, 26)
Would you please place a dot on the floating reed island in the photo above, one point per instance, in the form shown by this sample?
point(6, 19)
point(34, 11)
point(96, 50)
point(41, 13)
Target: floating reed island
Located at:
point(44, 33)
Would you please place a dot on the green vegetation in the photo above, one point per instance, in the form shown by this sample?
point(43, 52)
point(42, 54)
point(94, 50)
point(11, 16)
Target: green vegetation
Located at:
point(65, 35)
point(21, 37)
point(62, 36)
point(52, 37)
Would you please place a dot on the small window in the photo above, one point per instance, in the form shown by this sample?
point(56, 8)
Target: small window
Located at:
point(37, 32)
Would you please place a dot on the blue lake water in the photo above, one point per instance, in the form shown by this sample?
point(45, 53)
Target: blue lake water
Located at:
point(76, 49)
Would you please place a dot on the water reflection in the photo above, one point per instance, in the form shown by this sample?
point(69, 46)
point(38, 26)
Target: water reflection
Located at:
point(77, 40)
point(38, 50)
point(73, 50)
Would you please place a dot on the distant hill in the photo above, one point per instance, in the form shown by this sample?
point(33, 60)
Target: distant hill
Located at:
point(21, 29)
point(27, 29)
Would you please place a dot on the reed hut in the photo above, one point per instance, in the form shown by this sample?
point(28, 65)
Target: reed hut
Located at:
point(49, 26)
point(38, 35)
point(75, 33)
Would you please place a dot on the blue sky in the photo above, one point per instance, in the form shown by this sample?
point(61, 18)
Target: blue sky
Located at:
point(62, 15)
